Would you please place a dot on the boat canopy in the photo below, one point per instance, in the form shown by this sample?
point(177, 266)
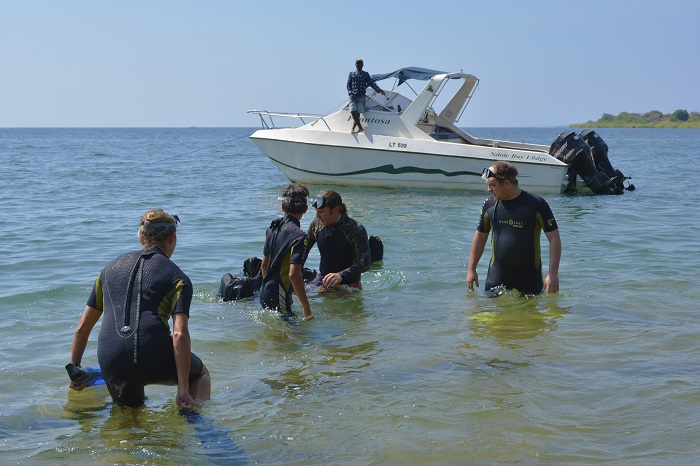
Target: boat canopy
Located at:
point(412, 72)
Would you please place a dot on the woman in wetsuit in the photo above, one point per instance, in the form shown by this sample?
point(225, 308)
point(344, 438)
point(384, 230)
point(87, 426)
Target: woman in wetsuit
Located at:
point(138, 293)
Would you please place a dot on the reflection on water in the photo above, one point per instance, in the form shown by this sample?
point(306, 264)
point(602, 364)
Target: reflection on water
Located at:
point(343, 360)
point(510, 318)
point(155, 433)
point(509, 332)
point(326, 364)
point(302, 359)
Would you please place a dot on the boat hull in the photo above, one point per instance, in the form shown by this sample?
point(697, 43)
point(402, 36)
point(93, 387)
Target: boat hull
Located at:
point(387, 161)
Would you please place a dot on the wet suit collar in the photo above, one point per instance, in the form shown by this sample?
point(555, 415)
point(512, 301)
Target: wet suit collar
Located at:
point(280, 221)
point(293, 219)
point(150, 251)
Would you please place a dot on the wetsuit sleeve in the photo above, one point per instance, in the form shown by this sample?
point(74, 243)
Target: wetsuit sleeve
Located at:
point(484, 225)
point(311, 237)
point(182, 297)
point(297, 253)
point(96, 299)
point(545, 217)
point(357, 236)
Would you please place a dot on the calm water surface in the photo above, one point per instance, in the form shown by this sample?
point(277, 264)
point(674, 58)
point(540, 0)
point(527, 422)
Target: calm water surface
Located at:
point(412, 370)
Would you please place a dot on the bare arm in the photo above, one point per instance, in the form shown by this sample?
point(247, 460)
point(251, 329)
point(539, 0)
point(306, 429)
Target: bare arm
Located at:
point(475, 253)
point(265, 264)
point(182, 348)
point(374, 85)
point(551, 282)
point(299, 288)
point(81, 336)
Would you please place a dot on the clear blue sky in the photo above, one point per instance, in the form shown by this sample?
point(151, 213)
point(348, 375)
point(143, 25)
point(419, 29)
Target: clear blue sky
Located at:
point(87, 63)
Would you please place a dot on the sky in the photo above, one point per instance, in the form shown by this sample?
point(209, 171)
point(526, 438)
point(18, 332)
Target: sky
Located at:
point(205, 63)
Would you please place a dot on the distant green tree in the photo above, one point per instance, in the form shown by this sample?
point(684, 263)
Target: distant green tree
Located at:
point(654, 115)
point(652, 119)
point(680, 115)
point(627, 117)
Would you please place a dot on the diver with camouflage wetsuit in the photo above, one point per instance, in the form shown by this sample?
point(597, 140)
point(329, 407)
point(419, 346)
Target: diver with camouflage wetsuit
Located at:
point(342, 242)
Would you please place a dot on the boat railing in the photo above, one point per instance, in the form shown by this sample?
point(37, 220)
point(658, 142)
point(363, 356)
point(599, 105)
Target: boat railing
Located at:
point(268, 122)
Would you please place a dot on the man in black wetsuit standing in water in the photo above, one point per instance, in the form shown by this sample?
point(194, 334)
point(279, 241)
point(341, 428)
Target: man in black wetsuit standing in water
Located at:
point(342, 242)
point(516, 218)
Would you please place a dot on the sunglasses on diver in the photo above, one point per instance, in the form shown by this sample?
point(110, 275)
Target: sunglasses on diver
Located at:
point(487, 173)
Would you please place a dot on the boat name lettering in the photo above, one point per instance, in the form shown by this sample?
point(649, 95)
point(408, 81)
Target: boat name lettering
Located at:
point(372, 120)
point(505, 155)
point(400, 145)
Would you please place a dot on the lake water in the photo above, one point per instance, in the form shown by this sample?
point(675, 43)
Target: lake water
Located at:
point(414, 369)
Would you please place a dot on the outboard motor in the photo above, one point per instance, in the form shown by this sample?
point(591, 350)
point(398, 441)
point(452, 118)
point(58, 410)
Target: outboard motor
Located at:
point(599, 150)
point(573, 151)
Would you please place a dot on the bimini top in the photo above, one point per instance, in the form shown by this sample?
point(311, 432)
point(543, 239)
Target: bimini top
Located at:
point(412, 72)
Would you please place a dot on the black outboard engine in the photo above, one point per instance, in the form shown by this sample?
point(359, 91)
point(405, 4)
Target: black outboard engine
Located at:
point(573, 151)
point(599, 150)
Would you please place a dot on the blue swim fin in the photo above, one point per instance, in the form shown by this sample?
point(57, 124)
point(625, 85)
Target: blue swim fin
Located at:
point(79, 375)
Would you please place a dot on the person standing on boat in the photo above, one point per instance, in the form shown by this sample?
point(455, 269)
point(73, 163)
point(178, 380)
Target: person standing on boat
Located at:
point(283, 256)
point(358, 82)
point(342, 242)
point(138, 293)
point(517, 219)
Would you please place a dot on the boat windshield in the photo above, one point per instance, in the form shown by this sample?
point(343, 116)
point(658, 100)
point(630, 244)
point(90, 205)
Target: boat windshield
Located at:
point(392, 102)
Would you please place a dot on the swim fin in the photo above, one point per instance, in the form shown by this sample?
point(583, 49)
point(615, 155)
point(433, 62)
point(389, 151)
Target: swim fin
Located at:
point(79, 375)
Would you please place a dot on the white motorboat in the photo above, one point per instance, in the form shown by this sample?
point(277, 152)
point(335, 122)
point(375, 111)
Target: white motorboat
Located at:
point(407, 143)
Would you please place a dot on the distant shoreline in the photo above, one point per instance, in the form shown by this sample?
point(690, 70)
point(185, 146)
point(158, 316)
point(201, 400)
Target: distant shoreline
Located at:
point(652, 119)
